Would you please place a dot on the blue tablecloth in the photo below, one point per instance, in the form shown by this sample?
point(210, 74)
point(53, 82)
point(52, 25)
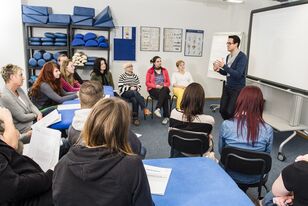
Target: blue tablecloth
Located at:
point(67, 115)
point(198, 181)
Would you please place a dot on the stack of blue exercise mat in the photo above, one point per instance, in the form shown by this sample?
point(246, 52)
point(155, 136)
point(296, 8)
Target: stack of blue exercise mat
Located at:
point(89, 40)
point(41, 57)
point(90, 61)
point(50, 39)
point(82, 16)
point(42, 15)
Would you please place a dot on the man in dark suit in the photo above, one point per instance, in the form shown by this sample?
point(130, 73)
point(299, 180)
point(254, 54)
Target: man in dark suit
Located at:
point(235, 70)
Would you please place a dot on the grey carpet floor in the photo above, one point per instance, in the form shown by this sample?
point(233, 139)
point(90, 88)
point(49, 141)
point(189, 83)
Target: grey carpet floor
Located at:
point(155, 139)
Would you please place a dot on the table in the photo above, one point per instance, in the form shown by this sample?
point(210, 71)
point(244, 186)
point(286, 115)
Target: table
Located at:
point(198, 181)
point(67, 115)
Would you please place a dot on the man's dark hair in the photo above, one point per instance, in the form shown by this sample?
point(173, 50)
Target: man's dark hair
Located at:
point(236, 39)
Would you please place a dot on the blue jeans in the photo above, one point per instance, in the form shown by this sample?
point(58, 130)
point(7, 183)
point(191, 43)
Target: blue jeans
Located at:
point(136, 99)
point(268, 199)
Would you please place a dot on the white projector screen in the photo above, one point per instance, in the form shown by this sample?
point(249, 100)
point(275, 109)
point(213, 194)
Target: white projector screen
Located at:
point(278, 46)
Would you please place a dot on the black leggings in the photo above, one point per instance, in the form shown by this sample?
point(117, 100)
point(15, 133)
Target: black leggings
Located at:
point(162, 96)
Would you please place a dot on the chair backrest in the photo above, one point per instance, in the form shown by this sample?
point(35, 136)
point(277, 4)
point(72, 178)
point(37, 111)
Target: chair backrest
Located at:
point(188, 141)
point(246, 161)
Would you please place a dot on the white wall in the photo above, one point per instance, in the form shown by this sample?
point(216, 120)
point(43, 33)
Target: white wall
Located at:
point(209, 16)
point(11, 35)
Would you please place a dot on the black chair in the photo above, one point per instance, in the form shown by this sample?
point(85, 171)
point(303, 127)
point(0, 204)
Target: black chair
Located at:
point(152, 106)
point(184, 141)
point(249, 163)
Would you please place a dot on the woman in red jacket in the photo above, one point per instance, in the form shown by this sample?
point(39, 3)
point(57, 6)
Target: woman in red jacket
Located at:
point(158, 82)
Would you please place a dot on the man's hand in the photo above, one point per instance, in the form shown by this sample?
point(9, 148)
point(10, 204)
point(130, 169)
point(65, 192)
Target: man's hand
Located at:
point(283, 201)
point(302, 158)
point(39, 117)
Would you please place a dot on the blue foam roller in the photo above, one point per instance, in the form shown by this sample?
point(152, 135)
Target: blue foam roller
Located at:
point(38, 55)
point(89, 36)
point(56, 55)
point(32, 62)
point(49, 35)
point(84, 11)
point(91, 59)
point(78, 36)
point(54, 61)
point(77, 18)
point(60, 40)
point(41, 62)
point(35, 43)
point(88, 22)
point(34, 19)
point(78, 42)
point(60, 35)
point(107, 24)
point(103, 45)
point(59, 18)
point(91, 43)
point(46, 39)
point(89, 63)
point(47, 43)
point(60, 43)
point(47, 56)
point(35, 39)
point(103, 16)
point(36, 10)
point(101, 39)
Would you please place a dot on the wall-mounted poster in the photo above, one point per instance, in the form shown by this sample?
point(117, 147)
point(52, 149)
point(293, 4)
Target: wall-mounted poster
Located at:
point(172, 40)
point(194, 43)
point(149, 38)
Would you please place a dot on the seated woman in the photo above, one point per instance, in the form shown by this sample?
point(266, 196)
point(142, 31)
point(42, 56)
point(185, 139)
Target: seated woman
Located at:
point(47, 92)
point(180, 80)
point(105, 168)
point(291, 187)
point(60, 60)
point(158, 82)
point(129, 87)
point(68, 82)
point(23, 182)
point(14, 98)
point(247, 130)
point(191, 116)
point(101, 72)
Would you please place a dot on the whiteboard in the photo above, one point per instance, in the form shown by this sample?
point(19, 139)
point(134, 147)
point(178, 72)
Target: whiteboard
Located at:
point(278, 46)
point(219, 51)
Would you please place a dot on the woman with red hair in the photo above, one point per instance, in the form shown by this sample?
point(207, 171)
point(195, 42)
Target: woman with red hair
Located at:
point(247, 129)
point(47, 90)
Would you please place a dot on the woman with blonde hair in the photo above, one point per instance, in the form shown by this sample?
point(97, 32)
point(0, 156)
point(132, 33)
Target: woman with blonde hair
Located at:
point(180, 80)
point(105, 169)
point(68, 82)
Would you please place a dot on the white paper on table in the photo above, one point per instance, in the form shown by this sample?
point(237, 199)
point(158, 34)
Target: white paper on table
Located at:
point(68, 106)
point(138, 135)
point(51, 118)
point(158, 178)
point(44, 147)
point(106, 96)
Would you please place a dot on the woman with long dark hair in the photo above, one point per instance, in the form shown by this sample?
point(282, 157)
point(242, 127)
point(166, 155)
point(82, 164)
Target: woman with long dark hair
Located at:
point(190, 116)
point(247, 129)
point(101, 72)
point(158, 82)
point(47, 90)
point(105, 169)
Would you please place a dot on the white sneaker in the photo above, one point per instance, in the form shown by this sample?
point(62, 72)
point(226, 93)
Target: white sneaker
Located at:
point(165, 121)
point(157, 112)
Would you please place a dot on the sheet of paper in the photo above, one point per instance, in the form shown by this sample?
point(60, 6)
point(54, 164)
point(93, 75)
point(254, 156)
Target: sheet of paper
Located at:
point(158, 178)
point(68, 106)
point(51, 118)
point(44, 147)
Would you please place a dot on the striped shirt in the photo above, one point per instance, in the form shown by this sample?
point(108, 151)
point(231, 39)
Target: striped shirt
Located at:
point(126, 81)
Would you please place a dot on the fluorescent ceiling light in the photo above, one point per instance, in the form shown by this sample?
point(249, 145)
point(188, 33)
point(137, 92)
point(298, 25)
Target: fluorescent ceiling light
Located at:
point(234, 1)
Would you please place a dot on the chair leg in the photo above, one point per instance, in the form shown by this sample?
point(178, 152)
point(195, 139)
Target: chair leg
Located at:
point(259, 192)
point(264, 185)
point(152, 115)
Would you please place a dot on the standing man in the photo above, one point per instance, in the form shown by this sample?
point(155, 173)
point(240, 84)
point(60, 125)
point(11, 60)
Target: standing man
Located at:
point(235, 70)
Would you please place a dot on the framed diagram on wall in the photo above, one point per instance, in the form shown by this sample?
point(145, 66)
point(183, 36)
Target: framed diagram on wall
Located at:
point(172, 40)
point(193, 42)
point(149, 38)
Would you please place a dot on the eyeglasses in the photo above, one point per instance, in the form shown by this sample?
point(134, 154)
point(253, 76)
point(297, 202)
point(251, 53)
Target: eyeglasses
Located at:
point(229, 43)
